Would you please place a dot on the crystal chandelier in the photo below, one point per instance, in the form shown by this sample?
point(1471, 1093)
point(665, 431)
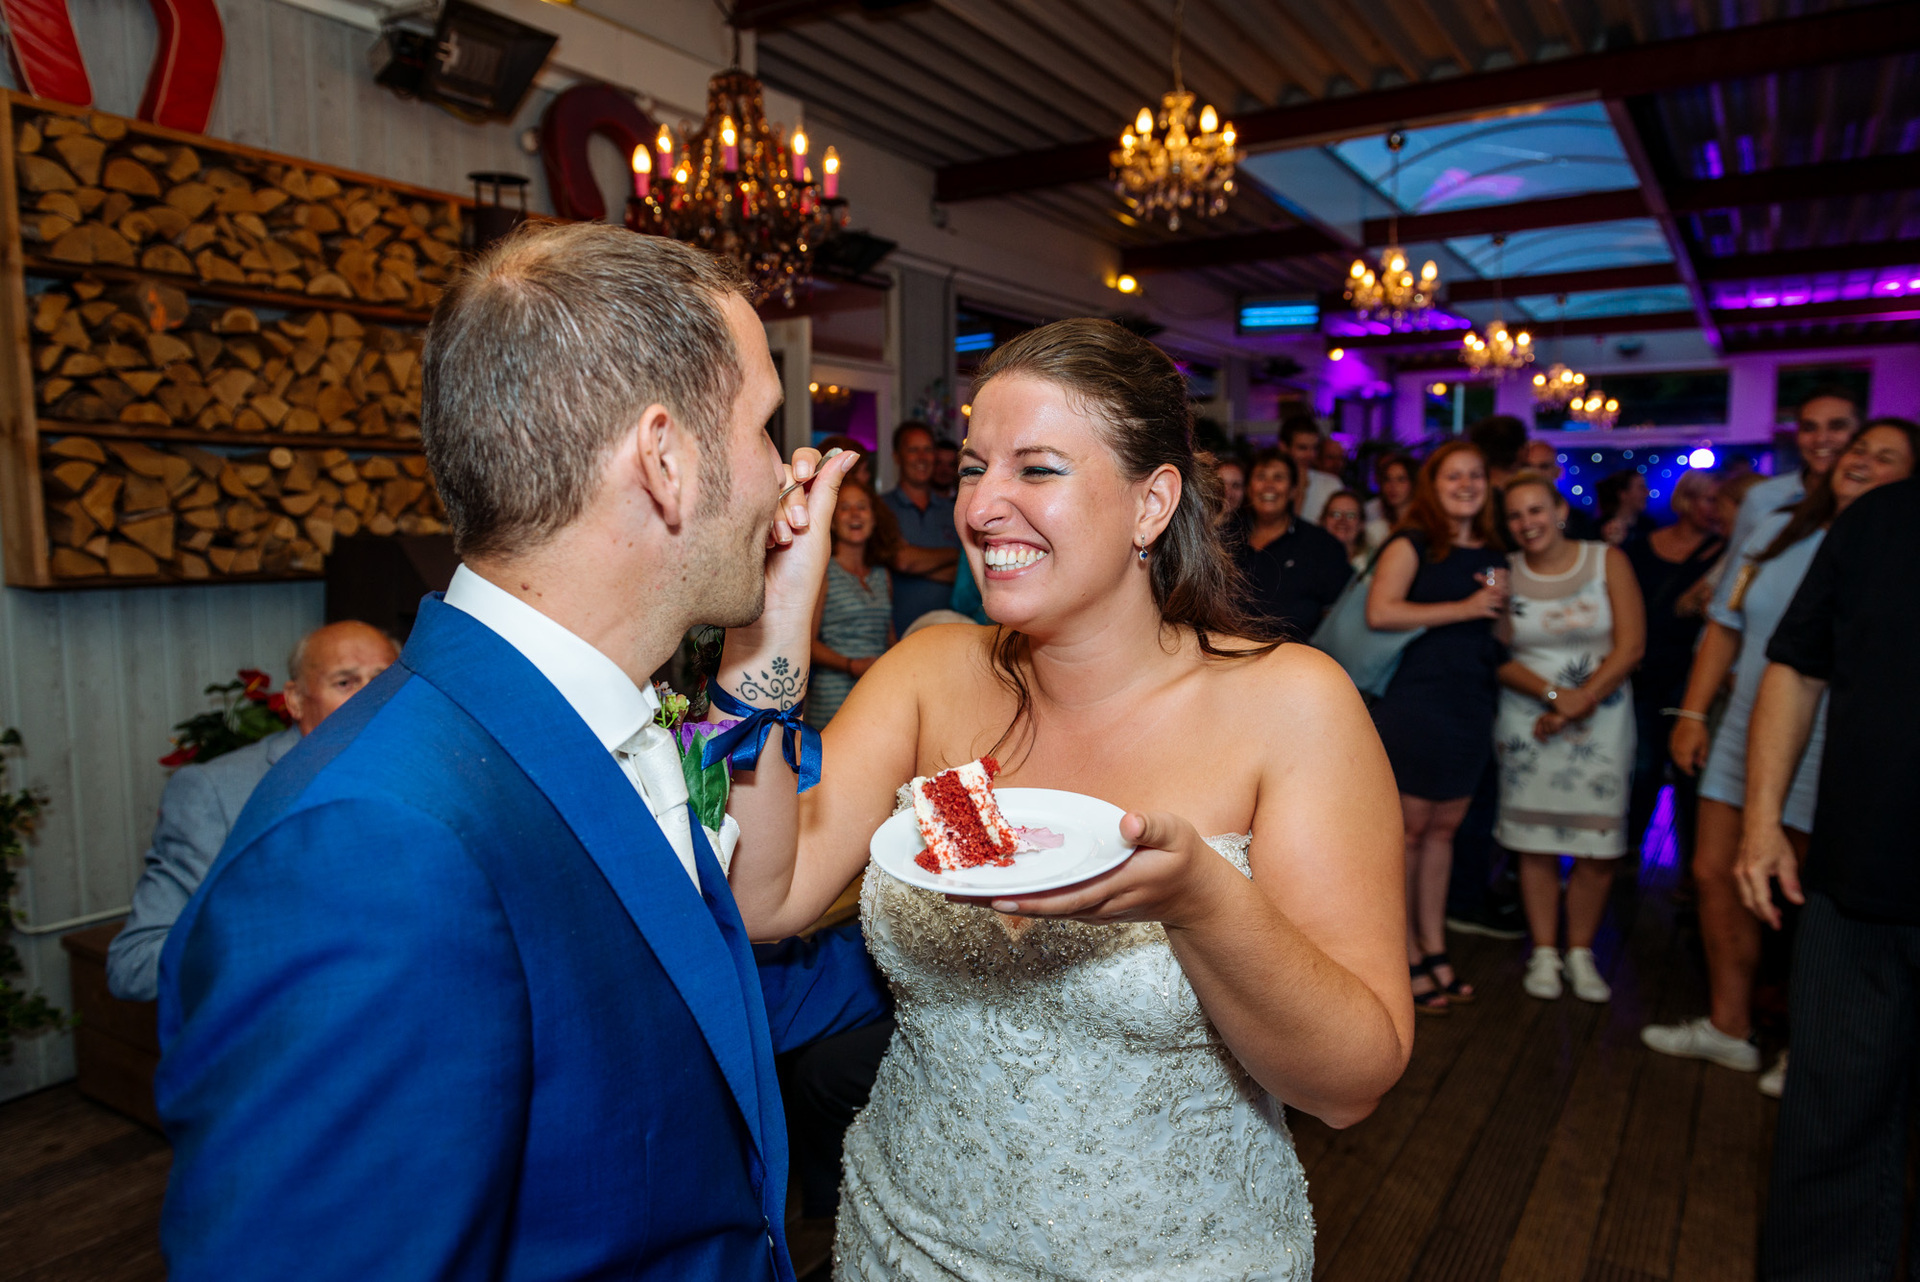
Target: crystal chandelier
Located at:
point(1502, 351)
point(1390, 291)
point(1558, 386)
point(1179, 171)
point(1598, 411)
point(734, 189)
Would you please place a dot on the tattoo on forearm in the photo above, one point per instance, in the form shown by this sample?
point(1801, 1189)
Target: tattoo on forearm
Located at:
point(781, 682)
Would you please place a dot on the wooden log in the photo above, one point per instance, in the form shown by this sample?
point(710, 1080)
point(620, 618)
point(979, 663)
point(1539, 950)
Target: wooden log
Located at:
point(154, 533)
point(123, 173)
point(80, 447)
point(39, 173)
point(142, 494)
point(72, 476)
point(83, 156)
point(165, 258)
point(125, 561)
point(237, 320)
point(99, 500)
point(69, 563)
point(69, 525)
point(204, 494)
point(141, 459)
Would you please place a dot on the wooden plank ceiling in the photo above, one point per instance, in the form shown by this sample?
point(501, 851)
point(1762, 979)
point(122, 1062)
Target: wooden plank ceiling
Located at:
point(1737, 141)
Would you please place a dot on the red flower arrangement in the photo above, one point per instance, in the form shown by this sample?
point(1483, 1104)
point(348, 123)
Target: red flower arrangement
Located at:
point(250, 711)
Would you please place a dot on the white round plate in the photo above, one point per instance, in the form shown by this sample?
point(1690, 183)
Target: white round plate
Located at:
point(1093, 845)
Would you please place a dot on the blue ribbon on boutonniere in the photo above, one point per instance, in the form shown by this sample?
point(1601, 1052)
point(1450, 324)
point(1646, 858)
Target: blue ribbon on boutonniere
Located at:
point(741, 744)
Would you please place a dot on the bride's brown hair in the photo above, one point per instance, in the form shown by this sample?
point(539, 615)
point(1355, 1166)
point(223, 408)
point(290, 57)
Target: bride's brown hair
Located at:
point(1138, 396)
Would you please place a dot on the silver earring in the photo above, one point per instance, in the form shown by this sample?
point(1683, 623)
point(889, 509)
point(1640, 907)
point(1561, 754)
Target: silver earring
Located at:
point(1562, 524)
point(1143, 551)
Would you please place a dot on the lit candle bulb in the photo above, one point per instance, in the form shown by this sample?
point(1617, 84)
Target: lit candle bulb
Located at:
point(729, 144)
point(1209, 119)
point(642, 171)
point(1143, 123)
point(799, 154)
point(663, 144)
point(832, 165)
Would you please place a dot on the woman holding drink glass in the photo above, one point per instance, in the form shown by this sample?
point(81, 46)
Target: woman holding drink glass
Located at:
point(1443, 570)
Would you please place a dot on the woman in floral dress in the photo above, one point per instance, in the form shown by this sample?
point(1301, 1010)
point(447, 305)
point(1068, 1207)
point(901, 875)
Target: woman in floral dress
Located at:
point(1564, 732)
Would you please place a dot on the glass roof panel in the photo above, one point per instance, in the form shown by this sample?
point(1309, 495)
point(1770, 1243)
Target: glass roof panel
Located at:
point(1545, 309)
point(1535, 155)
point(1627, 242)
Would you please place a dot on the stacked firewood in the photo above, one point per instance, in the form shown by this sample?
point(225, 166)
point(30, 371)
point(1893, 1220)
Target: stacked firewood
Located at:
point(130, 510)
point(140, 354)
point(92, 192)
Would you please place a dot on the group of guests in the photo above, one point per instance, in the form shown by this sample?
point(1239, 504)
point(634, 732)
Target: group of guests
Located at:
point(1558, 656)
point(1579, 663)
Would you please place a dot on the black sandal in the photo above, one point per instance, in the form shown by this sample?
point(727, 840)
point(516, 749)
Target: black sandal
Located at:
point(1456, 991)
point(1433, 1002)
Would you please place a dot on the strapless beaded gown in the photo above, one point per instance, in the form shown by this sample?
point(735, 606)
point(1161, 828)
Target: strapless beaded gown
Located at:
point(1056, 1105)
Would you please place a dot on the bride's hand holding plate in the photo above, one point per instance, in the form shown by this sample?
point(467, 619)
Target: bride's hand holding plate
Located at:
point(1173, 876)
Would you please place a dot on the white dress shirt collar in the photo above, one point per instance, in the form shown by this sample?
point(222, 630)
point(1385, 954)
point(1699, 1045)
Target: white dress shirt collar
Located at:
point(606, 698)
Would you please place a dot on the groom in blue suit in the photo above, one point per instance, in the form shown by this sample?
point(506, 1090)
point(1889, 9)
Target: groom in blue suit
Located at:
point(466, 994)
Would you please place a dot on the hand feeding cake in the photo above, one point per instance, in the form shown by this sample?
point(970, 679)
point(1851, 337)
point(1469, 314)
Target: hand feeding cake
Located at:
point(960, 821)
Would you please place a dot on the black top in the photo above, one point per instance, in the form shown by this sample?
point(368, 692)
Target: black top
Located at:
point(1662, 677)
point(1436, 717)
point(1853, 624)
point(1294, 579)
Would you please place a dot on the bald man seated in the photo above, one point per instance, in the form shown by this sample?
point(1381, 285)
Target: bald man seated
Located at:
point(201, 801)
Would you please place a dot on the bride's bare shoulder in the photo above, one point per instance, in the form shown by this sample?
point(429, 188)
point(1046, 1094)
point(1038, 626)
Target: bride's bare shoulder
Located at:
point(1290, 680)
point(945, 652)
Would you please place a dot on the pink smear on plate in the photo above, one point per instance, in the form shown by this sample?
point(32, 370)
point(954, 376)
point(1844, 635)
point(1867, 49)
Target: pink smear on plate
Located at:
point(1039, 839)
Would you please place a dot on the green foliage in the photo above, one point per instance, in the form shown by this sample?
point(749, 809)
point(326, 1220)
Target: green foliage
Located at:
point(706, 787)
point(21, 1014)
point(248, 712)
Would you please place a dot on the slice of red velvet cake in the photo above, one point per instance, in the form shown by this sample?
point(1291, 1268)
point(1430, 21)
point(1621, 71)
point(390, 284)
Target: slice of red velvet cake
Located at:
point(960, 821)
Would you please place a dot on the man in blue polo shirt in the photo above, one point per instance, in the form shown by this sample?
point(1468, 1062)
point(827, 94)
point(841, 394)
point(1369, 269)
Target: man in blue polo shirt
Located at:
point(924, 569)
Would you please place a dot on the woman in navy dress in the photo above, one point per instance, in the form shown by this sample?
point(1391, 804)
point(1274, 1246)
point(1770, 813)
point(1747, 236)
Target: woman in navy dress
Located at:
point(1443, 570)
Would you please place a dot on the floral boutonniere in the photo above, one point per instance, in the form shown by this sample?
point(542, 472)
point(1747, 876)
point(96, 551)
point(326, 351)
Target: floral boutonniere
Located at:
point(706, 785)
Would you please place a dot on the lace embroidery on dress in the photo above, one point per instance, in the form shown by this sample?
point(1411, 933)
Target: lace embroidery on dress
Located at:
point(1055, 1104)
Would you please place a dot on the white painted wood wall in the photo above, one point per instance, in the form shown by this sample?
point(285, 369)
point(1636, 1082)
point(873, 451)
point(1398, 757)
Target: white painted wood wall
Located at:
point(94, 680)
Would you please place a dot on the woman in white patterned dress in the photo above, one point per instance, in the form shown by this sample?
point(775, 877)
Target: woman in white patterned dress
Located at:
point(1564, 730)
point(1095, 1087)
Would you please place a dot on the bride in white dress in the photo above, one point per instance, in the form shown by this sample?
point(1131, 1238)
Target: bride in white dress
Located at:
point(1092, 1083)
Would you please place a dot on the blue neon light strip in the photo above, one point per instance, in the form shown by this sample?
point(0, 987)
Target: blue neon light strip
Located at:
point(1280, 316)
point(973, 343)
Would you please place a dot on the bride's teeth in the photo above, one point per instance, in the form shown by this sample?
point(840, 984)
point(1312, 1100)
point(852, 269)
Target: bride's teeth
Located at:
point(1011, 558)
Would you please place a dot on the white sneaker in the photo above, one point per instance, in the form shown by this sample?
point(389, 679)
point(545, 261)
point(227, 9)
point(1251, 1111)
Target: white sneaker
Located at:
point(1543, 974)
point(1588, 986)
point(1699, 1039)
point(1773, 1082)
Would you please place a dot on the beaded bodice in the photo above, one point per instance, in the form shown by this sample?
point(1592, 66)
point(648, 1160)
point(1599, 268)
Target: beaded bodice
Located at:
point(1055, 1104)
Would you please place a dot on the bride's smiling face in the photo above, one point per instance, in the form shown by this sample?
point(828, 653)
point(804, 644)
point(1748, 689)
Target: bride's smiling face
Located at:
point(1048, 520)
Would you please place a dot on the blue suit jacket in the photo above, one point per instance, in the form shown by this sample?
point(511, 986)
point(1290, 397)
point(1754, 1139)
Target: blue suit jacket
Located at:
point(448, 1006)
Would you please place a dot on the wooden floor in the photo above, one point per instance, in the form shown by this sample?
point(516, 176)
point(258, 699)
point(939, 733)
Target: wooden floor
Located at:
point(1529, 1141)
point(1540, 1141)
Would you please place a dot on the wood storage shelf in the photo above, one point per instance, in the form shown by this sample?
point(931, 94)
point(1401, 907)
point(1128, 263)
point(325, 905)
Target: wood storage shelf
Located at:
point(215, 363)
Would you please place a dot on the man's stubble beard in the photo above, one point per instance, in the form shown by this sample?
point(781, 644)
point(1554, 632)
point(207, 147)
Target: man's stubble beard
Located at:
point(726, 569)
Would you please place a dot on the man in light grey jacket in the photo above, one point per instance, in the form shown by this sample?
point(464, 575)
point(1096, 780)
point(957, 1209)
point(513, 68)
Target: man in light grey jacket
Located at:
point(201, 802)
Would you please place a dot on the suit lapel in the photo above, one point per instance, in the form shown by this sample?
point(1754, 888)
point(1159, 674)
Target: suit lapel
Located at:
point(687, 932)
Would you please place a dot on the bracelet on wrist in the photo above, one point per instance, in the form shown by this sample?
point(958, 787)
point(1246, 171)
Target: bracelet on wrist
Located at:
point(1687, 713)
